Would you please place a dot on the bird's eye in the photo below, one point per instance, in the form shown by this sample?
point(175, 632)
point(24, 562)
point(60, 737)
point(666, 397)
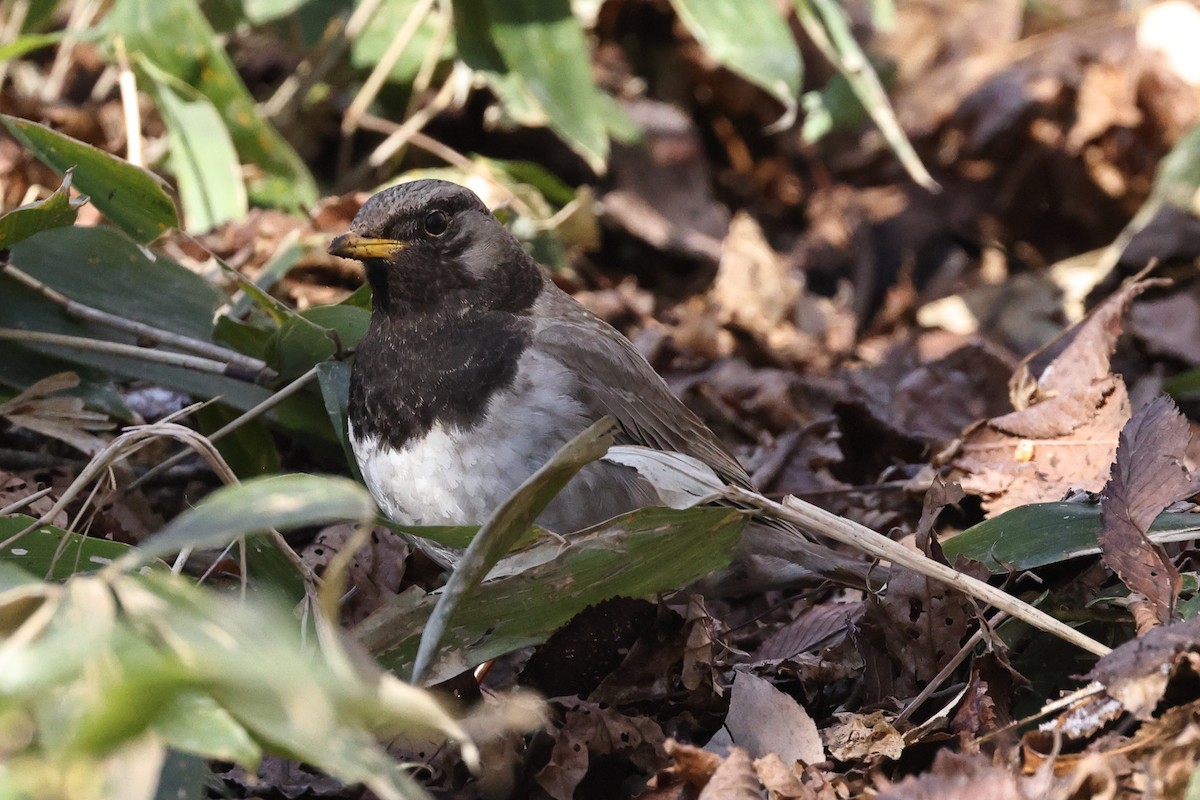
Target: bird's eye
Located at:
point(436, 223)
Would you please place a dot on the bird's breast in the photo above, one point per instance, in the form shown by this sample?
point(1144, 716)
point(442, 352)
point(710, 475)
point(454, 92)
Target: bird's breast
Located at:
point(457, 474)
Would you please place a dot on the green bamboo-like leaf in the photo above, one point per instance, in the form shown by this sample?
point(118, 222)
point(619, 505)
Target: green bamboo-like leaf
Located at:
point(826, 24)
point(106, 270)
point(751, 38)
point(176, 37)
point(203, 157)
point(1044, 533)
point(506, 525)
point(279, 501)
point(56, 211)
point(27, 44)
point(543, 43)
point(130, 197)
point(636, 555)
point(52, 553)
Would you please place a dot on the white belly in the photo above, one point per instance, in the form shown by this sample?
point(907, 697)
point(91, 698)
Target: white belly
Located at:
point(458, 477)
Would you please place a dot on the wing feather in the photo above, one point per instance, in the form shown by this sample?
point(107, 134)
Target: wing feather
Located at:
point(616, 380)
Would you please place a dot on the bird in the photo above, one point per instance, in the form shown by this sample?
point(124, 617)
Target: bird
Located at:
point(476, 368)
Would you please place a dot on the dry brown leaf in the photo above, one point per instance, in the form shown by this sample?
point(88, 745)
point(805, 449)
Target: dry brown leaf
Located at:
point(598, 729)
point(956, 776)
point(863, 737)
point(735, 779)
point(1136, 674)
point(1071, 408)
point(1147, 476)
point(755, 288)
point(762, 719)
point(818, 627)
point(693, 765)
point(61, 418)
point(375, 573)
point(698, 650)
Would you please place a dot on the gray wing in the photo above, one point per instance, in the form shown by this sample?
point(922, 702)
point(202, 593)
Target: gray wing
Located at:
point(616, 380)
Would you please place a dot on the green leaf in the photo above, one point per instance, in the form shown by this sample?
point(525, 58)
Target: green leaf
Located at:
point(505, 527)
point(278, 501)
point(183, 777)
point(203, 157)
point(193, 722)
point(826, 23)
point(1185, 386)
point(56, 211)
point(129, 196)
point(636, 555)
point(176, 37)
point(334, 380)
point(1044, 533)
point(752, 39)
point(106, 270)
point(27, 44)
point(543, 43)
point(248, 449)
point(259, 11)
point(55, 554)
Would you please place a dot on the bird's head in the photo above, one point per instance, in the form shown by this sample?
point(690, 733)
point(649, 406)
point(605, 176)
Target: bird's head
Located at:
point(434, 244)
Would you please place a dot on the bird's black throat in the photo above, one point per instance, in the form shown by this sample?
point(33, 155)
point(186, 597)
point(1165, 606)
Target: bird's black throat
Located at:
point(413, 371)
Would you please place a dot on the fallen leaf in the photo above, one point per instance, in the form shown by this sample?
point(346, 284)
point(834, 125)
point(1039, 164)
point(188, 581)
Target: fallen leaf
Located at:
point(735, 779)
point(1147, 476)
point(1070, 409)
point(62, 418)
point(863, 737)
point(1137, 673)
point(764, 720)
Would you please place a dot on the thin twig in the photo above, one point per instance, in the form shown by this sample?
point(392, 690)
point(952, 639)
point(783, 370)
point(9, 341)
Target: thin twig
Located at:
point(379, 75)
point(82, 14)
point(143, 332)
point(862, 538)
point(257, 411)
point(129, 105)
point(951, 665)
point(401, 136)
point(282, 105)
point(452, 157)
point(24, 502)
point(11, 31)
point(148, 354)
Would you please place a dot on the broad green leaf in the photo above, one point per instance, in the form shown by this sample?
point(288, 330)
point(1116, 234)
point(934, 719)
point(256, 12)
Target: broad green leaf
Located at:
point(636, 555)
point(259, 11)
point(506, 525)
point(334, 380)
point(203, 157)
point(1044, 533)
point(279, 501)
point(193, 722)
point(183, 776)
point(1185, 386)
point(56, 211)
point(751, 38)
point(248, 449)
point(106, 270)
point(131, 198)
point(52, 553)
point(543, 43)
point(175, 36)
